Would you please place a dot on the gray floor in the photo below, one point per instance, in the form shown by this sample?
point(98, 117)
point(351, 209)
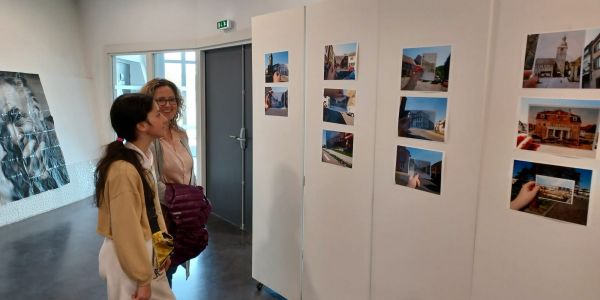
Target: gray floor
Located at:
point(55, 256)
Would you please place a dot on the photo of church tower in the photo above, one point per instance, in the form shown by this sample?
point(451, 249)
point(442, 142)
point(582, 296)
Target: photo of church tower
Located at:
point(276, 67)
point(554, 60)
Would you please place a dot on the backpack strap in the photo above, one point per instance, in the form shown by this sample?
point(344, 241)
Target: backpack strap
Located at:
point(151, 212)
point(185, 142)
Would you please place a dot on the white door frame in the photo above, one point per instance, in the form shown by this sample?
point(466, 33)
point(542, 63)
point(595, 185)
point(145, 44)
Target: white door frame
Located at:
point(236, 38)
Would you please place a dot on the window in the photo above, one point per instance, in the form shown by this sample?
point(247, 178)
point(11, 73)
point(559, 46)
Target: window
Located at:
point(597, 63)
point(129, 73)
point(180, 68)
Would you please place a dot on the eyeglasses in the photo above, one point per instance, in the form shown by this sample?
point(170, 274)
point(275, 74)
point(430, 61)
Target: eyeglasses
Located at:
point(164, 101)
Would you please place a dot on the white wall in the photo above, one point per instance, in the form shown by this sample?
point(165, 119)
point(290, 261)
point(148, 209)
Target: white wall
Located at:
point(520, 255)
point(143, 25)
point(44, 37)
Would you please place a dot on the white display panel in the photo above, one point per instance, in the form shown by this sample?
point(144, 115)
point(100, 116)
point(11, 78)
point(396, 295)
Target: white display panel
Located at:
point(338, 199)
point(278, 156)
point(520, 255)
point(366, 237)
point(423, 242)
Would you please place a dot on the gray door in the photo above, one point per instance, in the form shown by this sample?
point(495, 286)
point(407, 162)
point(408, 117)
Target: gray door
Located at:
point(228, 87)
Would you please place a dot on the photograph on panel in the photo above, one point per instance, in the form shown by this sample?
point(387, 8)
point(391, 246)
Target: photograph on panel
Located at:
point(340, 61)
point(422, 118)
point(30, 157)
point(276, 101)
point(425, 69)
point(590, 77)
point(564, 127)
point(339, 106)
point(551, 191)
point(276, 67)
point(337, 148)
point(553, 60)
point(419, 169)
point(555, 189)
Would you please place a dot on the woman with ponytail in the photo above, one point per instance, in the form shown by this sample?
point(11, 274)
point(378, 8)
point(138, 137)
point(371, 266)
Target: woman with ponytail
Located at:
point(124, 186)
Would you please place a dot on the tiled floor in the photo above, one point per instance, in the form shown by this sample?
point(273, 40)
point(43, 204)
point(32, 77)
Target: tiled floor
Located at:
point(55, 256)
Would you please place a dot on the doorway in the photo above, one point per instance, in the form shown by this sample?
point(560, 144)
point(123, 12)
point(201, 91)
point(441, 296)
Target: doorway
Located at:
point(228, 110)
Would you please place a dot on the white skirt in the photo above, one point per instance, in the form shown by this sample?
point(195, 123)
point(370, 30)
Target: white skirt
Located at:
point(119, 285)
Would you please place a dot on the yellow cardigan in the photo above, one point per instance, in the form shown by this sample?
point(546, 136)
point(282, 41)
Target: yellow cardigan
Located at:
point(122, 217)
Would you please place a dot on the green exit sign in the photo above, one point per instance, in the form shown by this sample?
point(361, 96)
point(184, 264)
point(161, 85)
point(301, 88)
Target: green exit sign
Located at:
point(224, 24)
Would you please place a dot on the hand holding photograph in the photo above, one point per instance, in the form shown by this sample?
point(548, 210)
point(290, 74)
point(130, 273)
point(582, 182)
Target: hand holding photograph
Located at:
point(425, 69)
point(338, 106)
point(340, 62)
point(419, 169)
point(557, 192)
point(564, 127)
point(276, 67)
point(276, 101)
point(423, 118)
point(561, 60)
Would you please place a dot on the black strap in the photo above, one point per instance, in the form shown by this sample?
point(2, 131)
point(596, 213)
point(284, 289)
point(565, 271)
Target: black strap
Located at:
point(151, 211)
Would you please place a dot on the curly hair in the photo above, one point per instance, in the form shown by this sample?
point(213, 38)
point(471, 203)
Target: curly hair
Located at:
point(150, 89)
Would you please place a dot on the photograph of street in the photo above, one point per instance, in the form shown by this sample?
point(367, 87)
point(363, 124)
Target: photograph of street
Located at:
point(340, 61)
point(276, 67)
point(590, 77)
point(276, 101)
point(422, 118)
point(554, 190)
point(338, 106)
point(565, 127)
point(419, 169)
point(553, 60)
point(337, 148)
point(425, 69)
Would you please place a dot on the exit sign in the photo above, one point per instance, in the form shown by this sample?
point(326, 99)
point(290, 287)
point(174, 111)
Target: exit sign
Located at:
point(224, 24)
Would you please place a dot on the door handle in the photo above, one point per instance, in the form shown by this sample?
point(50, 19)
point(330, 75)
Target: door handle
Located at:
point(241, 138)
point(237, 138)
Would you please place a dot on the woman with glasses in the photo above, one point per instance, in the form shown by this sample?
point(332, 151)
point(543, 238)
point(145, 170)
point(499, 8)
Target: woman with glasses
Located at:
point(173, 162)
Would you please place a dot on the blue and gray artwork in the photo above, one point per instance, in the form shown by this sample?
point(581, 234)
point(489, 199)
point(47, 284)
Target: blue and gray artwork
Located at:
point(30, 156)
